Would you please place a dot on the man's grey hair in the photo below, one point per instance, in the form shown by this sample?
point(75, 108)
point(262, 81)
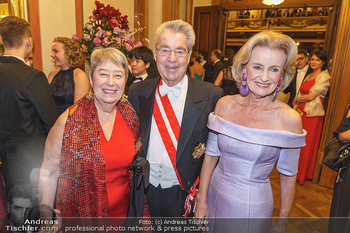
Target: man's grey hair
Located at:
point(178, 26)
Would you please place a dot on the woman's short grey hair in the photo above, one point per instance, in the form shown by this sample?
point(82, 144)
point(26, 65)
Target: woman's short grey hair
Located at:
point(178, 26)
point(101, 55)
point(269, 39)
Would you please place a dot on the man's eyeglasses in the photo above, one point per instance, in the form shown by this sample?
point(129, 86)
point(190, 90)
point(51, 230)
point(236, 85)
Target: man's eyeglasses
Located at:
point(166, 52)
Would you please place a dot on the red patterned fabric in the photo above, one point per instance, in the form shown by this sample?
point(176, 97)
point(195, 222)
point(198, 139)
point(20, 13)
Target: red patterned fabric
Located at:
point(82, 188)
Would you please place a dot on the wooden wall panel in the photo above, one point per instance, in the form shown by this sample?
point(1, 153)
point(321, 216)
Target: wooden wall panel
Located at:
point(189, 10)
point(79, 17)
point(176, 9)
point(167, 10)
point(141, 11)
point(35, 25)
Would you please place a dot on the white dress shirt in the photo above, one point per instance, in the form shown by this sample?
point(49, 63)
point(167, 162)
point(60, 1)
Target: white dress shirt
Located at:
point(300, 77)
point(162, 172)
point(144, 76)
point(20, 58)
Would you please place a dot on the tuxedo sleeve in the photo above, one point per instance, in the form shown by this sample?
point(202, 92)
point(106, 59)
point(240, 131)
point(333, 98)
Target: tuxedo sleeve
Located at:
point(39, 95)
point(131, 96)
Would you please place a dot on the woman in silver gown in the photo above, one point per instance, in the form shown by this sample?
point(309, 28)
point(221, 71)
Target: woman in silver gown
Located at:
point(249, 133)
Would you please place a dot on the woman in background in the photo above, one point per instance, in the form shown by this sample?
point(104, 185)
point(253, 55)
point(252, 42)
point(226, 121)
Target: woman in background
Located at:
point(196, 70)
point(90, 148)
point(310, 100)
point(341, 202)
point(249, 133)
point(225, 78)
point(69, 83)
point(152, 70)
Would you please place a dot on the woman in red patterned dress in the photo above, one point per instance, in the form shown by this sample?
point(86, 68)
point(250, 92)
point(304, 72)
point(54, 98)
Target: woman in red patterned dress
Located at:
point(310, 101)
point(90, 148)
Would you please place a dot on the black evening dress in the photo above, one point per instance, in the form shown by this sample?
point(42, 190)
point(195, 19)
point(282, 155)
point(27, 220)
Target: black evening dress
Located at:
point(341, 195)
point(62, 89)
point(228, 83)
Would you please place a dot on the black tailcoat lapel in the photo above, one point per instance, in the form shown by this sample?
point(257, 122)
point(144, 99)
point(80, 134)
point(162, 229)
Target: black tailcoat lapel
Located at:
point(146, 101)
point(193, 109)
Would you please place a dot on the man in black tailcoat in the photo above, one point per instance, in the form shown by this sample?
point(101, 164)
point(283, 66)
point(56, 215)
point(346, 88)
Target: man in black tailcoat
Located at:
point(27, 109)
point(215, 57)
point(173, 111)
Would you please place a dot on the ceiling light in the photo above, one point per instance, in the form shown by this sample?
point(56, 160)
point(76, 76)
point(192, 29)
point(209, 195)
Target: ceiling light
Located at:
point(272, 2)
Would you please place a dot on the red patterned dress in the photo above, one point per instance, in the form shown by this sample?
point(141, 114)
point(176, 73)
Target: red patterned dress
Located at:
point(94, 178)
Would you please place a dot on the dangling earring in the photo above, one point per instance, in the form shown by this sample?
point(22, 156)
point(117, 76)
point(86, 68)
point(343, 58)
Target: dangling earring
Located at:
point(276, 91)
point(244, 89)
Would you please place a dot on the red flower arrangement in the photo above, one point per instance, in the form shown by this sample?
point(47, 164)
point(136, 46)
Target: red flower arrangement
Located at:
point(107, 27)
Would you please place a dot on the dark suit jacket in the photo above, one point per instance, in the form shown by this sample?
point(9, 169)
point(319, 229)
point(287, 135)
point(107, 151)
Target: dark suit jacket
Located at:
point(216, 70)
point(293, 86)
point(208, 72)
point(27, 113)
point(131, 79)
point(200, 101)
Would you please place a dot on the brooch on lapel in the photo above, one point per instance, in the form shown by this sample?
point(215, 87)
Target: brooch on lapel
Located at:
point(124, 98)
point(198, 151)
point(90, 94)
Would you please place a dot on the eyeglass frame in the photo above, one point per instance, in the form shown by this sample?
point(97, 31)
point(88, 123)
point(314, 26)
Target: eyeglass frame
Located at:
point(167, 54)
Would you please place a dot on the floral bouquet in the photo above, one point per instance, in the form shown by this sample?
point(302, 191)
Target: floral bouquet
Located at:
point(107, 28)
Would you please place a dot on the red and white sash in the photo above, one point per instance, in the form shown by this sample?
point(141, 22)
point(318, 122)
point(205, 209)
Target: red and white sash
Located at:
point(170, 135)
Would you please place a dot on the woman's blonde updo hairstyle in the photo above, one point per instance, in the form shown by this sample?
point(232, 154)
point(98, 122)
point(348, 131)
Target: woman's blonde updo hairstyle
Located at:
point(269, 39)
point(72, 51)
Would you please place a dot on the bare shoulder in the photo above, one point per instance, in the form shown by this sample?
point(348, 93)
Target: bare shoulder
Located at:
point(80, 74)
point(225, 104)
point(52, 74)
point(61, 121)
point(290, 119)
point(54, 140)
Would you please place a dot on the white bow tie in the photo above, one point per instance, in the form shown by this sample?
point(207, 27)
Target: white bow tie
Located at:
point(176, 90)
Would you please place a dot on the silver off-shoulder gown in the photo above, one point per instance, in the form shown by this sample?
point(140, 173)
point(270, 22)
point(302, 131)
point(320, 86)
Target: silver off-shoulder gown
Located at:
point(240, 187)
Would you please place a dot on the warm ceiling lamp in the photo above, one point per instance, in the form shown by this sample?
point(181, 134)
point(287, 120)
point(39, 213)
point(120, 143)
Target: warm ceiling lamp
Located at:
point(272, 2)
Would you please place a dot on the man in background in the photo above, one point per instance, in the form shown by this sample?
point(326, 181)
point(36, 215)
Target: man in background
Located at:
point(215, 57)
point(27, 109)
point(303, 70)
point(140, 61)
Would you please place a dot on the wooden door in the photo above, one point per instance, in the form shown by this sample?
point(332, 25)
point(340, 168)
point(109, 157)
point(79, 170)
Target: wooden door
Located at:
point(210, 28)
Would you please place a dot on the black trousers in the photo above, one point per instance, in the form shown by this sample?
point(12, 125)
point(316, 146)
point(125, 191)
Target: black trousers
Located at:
point(167, 202)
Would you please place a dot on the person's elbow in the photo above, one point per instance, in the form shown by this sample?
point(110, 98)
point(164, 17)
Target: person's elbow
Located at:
point(344, 137)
